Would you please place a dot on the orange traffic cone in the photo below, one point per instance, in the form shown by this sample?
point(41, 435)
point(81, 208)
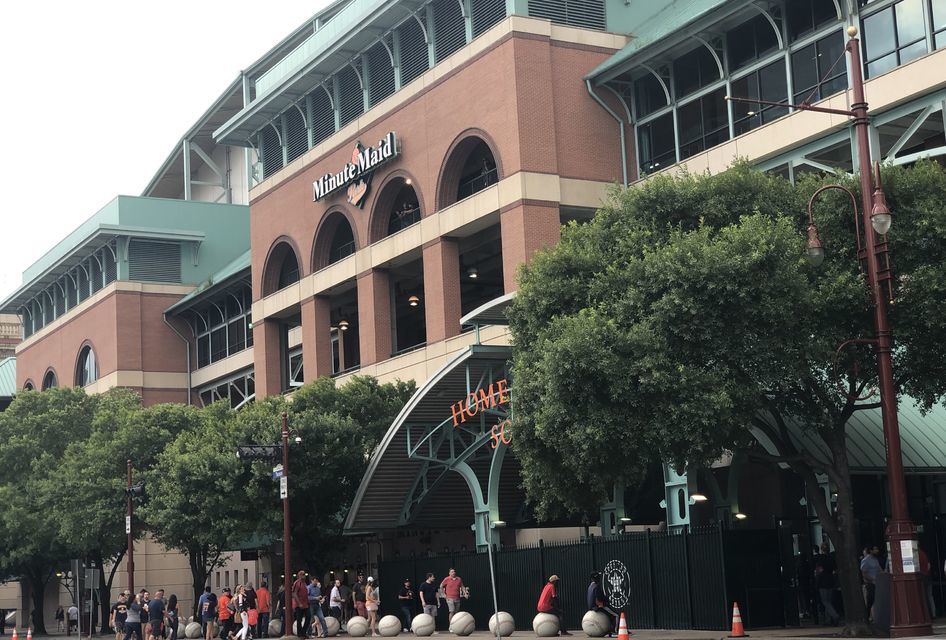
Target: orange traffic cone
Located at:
point(14, 633)
point(622, 628)
point(737, 629)
point(29, 633)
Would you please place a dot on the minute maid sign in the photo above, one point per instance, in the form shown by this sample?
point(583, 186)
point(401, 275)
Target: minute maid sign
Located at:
point(357, 173)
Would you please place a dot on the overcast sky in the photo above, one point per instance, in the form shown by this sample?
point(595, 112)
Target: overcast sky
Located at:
point(96, 94)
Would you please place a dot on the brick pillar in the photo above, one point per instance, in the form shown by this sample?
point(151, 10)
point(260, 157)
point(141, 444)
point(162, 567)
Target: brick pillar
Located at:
point(526, 228)
point(316, 338)
point(442, 289)
point(268, 357)
point(374, 316)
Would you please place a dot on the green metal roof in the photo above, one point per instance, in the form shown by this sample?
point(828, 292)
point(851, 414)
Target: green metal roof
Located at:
point(7, 377)
point(239, 267)
point(217, 231)
point(671, 18)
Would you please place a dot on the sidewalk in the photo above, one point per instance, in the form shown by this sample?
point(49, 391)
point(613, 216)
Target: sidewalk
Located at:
point(791, 633)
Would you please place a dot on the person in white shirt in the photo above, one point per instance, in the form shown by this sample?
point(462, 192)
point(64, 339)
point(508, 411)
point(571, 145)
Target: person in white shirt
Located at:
point(73, 619)
point(335, 601)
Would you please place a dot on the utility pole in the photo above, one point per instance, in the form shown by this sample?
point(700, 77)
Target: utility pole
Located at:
point(287, 560)
point(131, 541)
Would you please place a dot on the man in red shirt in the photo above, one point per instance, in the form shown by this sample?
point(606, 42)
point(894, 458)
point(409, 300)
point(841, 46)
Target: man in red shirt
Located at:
point(452, 587)
point(262, 603)
point(549, 603)
point(300, 605)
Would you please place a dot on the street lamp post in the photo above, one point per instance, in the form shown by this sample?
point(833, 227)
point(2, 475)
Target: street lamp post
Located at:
point(271, 453)
point(909, 616)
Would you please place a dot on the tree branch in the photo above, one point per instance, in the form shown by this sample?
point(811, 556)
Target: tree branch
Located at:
point(870, 405)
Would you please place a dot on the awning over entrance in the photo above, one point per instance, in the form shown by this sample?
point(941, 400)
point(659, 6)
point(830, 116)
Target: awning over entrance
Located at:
point(441, 463)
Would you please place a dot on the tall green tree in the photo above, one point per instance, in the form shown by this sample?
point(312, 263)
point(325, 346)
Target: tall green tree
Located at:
point(36, 429)
point(684, 321)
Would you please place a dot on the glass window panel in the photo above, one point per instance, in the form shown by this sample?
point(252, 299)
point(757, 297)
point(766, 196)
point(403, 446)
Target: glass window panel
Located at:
point(649, 95)
point(938, 11)
point(910, 24)
point(879, 34)
point(823, 13)
point(218, 344)
point(805, 16)
point(203, 351)
point(694, 70)
point(941, 40)
point(913, 51)
point(740, 45)
point(703, 123)
point(236, 336)
point(656, 144)
point(882, 65)
point(804, 71)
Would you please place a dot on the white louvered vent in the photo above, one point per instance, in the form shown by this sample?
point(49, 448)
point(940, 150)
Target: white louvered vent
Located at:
point(270, 151)
point(449, 28)
point(321, 115)
point(486, 13)
point(150, 261)
point(297, 137)
point(588, 14)
point(412, 49)
point(379, 72)
point(351, 102)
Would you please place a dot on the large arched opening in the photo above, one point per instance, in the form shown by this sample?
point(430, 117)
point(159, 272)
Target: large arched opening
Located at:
point(87, 367)
point(471, 166)
point(50, 380)
point(397, 207)
point(334, 240)
point(282, 267)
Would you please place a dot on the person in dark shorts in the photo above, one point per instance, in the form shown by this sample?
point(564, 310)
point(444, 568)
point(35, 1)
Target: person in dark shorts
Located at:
point(117, 615)
point(156, 615)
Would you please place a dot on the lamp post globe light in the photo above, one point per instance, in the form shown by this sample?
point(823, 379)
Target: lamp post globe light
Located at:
point(253, 452)
point(909, 615)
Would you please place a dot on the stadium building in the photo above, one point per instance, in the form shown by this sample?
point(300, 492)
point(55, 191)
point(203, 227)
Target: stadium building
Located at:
point(359, 199)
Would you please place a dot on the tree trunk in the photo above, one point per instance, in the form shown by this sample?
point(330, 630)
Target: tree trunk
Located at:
point(105, 590)
point(197, 558)
point(36, 578)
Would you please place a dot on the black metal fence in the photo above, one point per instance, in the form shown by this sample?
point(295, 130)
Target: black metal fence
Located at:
point(678, 580)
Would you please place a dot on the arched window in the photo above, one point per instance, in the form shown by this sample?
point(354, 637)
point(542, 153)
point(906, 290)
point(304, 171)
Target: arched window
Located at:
point(282, 268)
point(335, 240)
point(50, 381)
point(397, 207)
point(87, 369)
point(469, 168)
point(28, 386)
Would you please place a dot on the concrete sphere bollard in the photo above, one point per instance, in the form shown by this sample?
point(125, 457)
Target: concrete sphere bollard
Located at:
point(506, 624)
point(357, 626)
point(463, 623)
point(190, 619)
point(596, 624)
point(274, 630)
point(389, 626)
point(423, 624)
point(182, 629)
point(332, 626)
point(192, 630)
point(545, 625)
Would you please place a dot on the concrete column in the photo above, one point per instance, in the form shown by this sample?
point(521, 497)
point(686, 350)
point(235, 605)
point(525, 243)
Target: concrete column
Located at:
point(268, 357)
point(374, 316)
point(526, 227)
point(442, 289)
point(316, 338)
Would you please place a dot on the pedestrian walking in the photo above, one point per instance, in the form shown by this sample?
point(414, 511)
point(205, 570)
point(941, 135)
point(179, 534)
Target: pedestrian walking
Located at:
point(263, 604)
point(870, 569)
point(315, 605)
point(171, 617)
point(133, 619)
point(549, 602)
point(372, 604)
point(242, 609)
point(225, 613)
point(117, 615)
point(156, 616)
point(335, 602)
point(453, 590)
point(252, 613)
point(430, 597)
point(300, 605)
point(60, 618)
point(405, 598)
point(73, 622)
point(825, 576)
point(205, 612)
point(358, 596)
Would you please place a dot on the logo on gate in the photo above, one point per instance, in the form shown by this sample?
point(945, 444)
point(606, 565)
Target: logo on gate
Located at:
point(616, 584)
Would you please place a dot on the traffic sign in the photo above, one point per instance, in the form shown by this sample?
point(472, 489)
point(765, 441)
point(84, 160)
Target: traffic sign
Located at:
point(277, 472)
point(283, 487)
point(127, 524)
